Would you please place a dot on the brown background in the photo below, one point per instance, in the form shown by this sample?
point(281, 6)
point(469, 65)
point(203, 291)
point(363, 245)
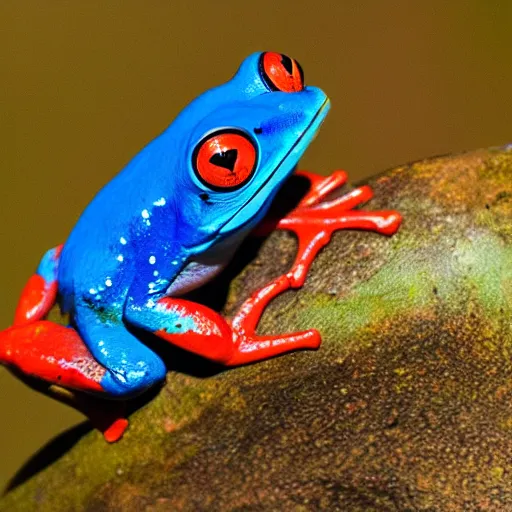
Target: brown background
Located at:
point(85, 84)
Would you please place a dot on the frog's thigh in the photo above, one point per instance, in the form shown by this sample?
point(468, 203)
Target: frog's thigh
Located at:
point(131, 366)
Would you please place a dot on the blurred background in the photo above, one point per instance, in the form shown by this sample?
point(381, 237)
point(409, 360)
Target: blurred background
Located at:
point(84, 85)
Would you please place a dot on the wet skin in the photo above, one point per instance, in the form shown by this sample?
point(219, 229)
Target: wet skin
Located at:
point(168, 223)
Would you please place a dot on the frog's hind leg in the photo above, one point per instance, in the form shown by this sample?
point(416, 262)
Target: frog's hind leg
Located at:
point(51, 352)
point(40, 292)
point(57, 355)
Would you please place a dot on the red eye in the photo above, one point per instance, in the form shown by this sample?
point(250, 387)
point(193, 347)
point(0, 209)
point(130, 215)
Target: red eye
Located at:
point(281, 73)
point(225, 159)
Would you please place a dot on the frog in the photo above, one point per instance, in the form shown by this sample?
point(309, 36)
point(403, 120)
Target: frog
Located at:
point(170, 222)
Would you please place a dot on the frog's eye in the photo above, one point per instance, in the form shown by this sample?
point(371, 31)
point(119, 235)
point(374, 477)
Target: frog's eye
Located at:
point(281, 73)
point(225, 159)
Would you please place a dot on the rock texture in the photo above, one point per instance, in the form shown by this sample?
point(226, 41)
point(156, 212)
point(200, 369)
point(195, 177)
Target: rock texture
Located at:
point(406, 406)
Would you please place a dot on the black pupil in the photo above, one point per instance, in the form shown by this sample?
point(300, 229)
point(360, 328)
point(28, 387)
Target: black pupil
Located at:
point(225, 159)
point(287, 63)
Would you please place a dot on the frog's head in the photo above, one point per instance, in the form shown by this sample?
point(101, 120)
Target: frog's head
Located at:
point(247, 138)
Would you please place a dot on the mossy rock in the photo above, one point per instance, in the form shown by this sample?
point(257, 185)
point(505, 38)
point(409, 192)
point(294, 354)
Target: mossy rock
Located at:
point(406, 406)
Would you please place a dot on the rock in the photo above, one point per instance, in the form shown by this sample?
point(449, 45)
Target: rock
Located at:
point(406, 406)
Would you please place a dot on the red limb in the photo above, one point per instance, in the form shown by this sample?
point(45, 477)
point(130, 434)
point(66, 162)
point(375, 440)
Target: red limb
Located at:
point(236, 342)
point(214, 338)
point(57, 355)
point(321, 186)
point(314, 222)
point(37, 298)
point(51, 352)
point(39, 295)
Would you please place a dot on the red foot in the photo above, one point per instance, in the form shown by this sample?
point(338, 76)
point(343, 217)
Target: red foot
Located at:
point(251, 347)
point(314, 222)
point(107, 417)
point(113, 433)
point(321, 186)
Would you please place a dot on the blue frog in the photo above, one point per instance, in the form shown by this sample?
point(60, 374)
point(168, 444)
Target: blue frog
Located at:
point(168, 223)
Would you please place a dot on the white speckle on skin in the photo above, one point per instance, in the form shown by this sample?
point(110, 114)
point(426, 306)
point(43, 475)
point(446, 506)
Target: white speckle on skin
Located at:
point(152, 260)
point(120, 376)
point(101, 343)
point(104, 351)
point(108, 282)
point(123, 240)
point(120, 258)
point(174, 262)
point(145, 214)
point(160, 202)
point(98, 297)
point(92, 291)
point(155, 273)
point(151, 285)
point(135, 375)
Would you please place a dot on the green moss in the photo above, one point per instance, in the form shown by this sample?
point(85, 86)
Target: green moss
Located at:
point(147, 441)
point(480, 266)
point(497, 169)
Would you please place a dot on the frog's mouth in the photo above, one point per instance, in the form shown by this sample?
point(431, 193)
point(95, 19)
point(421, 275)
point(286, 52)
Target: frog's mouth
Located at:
point(300, 146)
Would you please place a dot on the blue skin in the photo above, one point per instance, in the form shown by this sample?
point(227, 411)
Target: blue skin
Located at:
point(149, 233)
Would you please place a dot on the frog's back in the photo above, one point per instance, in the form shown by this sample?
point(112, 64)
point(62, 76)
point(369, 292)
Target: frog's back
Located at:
point(100, 251)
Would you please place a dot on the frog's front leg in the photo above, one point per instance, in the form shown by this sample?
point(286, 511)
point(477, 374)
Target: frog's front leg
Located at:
point(314, 221)
point(202, 331)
